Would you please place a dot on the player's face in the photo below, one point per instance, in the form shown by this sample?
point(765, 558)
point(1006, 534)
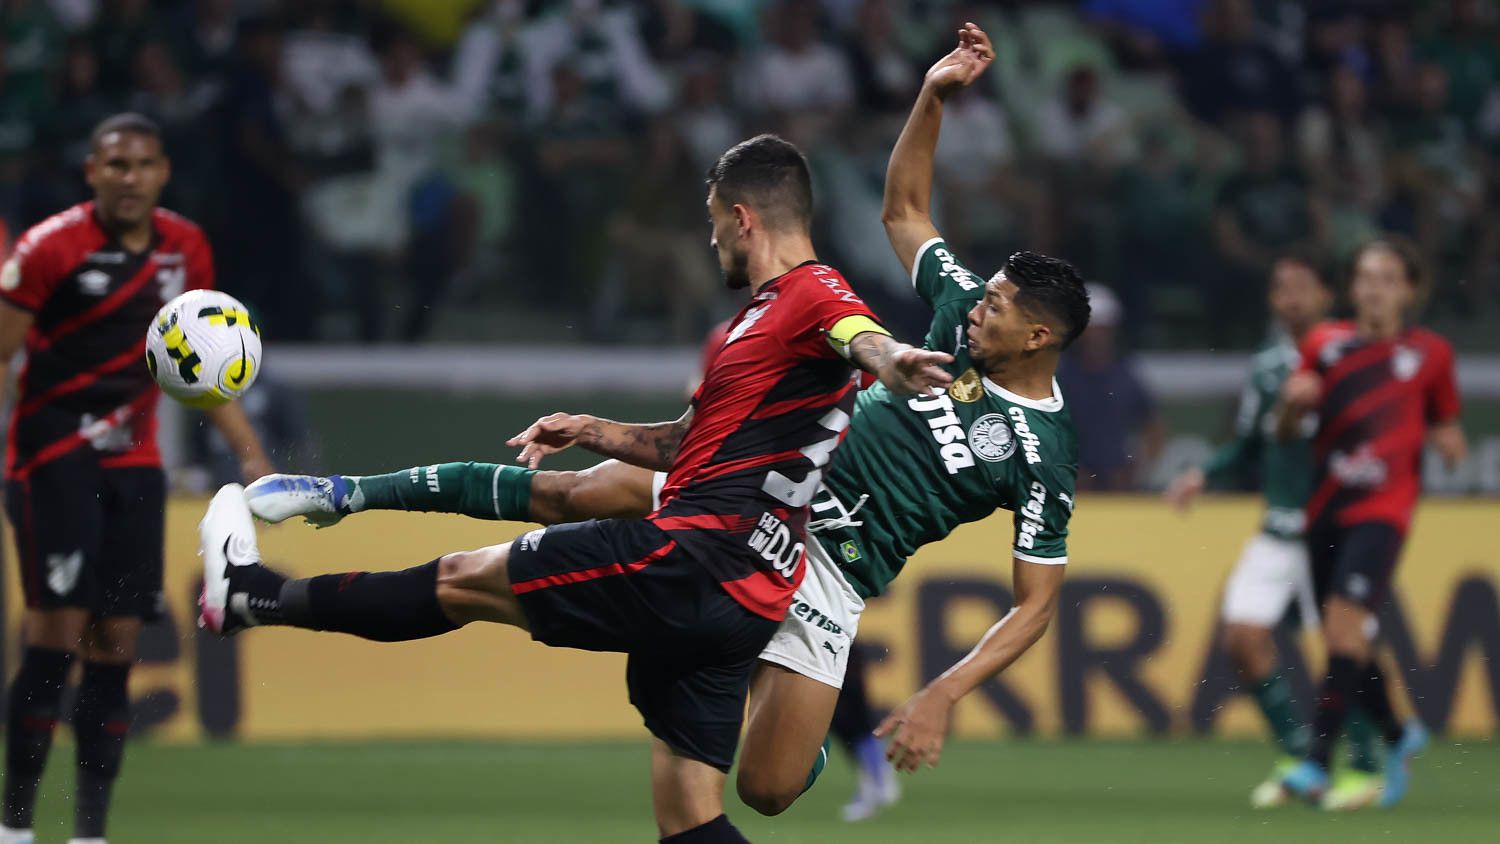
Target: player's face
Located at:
point(999, 329)
point(1297, 298)
point(127, 171)
point(1381, 291)
point(734, 259)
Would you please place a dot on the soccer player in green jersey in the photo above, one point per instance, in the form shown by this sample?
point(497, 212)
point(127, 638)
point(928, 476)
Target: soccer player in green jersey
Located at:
point(909, 471)
point(1272, 584)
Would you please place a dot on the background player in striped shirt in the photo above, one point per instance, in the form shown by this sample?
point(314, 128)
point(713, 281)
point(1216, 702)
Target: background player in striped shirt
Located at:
point(1271, 584)
point(694, 591)
point(1381, 388)
point(84, 486)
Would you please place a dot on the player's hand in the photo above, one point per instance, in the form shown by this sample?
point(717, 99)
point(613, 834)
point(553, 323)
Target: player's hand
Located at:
point(916, 371)
point(917, 730)
point(962, 66)
point(1185, 488)
point(548, 435)
point(1302, 390)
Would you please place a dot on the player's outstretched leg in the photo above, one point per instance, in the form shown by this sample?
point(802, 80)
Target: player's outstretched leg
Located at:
point(239, 592)
point(478, 490)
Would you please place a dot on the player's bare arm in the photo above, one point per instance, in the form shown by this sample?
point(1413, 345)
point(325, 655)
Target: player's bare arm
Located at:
point(901, 368)
point(14, 323)
point(651, 446)
point(1299, 395)
point(918, 727)
point(906, 210)
point(237, 431)
point(1449, 440)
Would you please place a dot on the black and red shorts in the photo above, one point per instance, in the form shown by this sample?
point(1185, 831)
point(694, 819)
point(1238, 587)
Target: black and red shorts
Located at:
point(90, 537)
point(1353, 561)
point(625, 586)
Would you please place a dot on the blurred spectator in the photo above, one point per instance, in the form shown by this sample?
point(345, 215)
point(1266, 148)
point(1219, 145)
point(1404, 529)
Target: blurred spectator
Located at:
point(795, 70)
point(203, 38)
point(582, 156)
point(658, 243)
point(1465, 49)
point(1263, 210)
point(487, 66)
point(1145, 33)
point(1438, 176)
point(673, 31)
point(118, 34)
point(163, 93)
point(1119, 431)
point(258, 235)
point(885, 77)
point(1339, 146)
point(601, 44)
point(77, 108)
point(1235, 70)
point(1079, 128)
point(705, 123)
point(33, 43)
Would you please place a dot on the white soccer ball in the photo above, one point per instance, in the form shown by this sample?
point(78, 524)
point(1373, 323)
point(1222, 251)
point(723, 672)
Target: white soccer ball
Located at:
point(203, 348)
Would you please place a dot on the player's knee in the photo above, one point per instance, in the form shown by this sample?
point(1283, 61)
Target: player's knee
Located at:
point(765, 795)
point(470, 569)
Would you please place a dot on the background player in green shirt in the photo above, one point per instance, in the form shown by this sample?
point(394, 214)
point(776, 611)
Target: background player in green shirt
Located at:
point(910, 470)
point(1272, 583)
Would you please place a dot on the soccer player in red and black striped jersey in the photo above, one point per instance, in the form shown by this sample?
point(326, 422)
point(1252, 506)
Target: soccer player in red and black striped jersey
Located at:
point(1381, 388)
point(84, 488)
point(694, 591)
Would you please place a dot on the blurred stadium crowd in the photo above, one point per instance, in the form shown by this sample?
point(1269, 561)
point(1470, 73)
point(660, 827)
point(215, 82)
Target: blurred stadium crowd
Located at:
point(386, 169)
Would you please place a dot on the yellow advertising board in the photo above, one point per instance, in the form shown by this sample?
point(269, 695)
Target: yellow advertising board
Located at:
point(1131, 650)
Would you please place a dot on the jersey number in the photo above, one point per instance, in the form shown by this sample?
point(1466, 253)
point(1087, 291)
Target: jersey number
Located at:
point(799, 493)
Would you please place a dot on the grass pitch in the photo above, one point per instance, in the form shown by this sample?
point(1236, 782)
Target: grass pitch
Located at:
point(1023, 791)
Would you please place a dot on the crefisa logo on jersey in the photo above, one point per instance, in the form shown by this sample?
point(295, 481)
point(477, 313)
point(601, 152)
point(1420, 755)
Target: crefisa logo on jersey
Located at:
point(991, 438)
point(1405, 362)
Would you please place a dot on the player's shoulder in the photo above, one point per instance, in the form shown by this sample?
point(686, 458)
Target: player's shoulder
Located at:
point(70, 226)
point(812, 280)
point(1043, 428)
point(175, 228)
point(1419, 335)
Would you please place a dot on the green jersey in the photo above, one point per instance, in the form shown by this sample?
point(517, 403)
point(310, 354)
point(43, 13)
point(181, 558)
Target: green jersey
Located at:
point(1284, 467)
point(913, 468)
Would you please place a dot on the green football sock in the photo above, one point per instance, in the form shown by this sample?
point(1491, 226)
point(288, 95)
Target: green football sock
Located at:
point(1364, 742)
point(480, 490)
point(819, 762)
point(1288, 724)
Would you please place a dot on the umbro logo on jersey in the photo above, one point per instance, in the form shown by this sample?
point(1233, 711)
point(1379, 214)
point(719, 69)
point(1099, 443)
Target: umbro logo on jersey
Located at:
point(93, 282)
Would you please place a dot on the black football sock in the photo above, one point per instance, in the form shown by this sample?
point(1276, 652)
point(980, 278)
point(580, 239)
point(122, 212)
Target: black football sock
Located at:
point(717, 831)
point(31, 718)
point(101, 720)
point(387, 606)
point(1333, 703)
point(1375, 697)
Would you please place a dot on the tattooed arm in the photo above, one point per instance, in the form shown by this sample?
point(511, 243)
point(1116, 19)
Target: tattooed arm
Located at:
point(901, 368)
point(651, 446)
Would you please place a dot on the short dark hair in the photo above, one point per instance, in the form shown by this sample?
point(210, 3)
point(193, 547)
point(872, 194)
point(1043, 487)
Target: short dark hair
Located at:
point(769, 174)
point(129, 122)
point(1051, 288)
point(1313, 261)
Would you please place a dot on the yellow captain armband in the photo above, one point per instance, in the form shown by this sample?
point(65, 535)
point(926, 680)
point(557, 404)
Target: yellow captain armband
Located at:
point(845, 330)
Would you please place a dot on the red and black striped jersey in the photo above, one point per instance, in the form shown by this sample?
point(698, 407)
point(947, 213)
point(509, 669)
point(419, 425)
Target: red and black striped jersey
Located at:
point(773, 406)
point(85, 383)
point(1379, 400)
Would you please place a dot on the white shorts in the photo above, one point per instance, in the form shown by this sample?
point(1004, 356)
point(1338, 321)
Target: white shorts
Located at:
point(1271, 574)
point(814, 638)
